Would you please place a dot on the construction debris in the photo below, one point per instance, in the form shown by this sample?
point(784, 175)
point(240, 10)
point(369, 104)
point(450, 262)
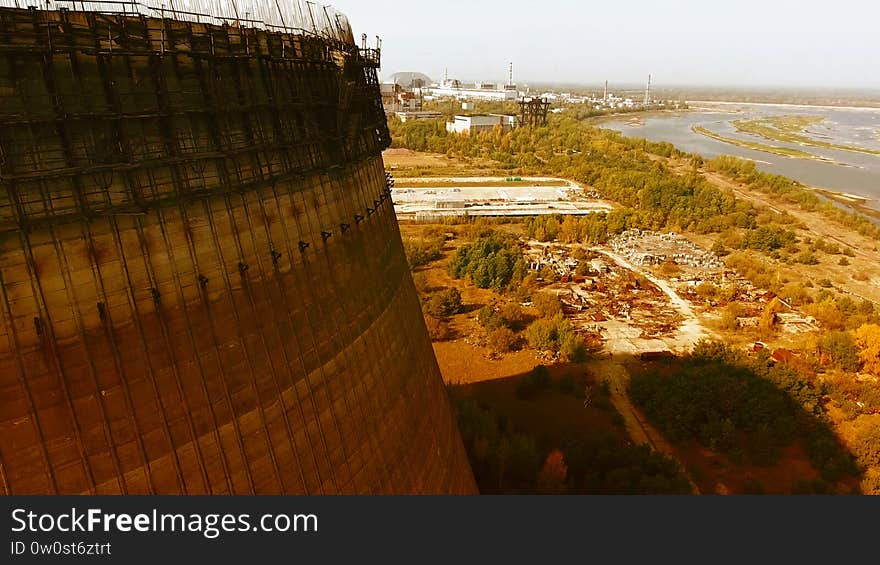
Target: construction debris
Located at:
point(645, 248)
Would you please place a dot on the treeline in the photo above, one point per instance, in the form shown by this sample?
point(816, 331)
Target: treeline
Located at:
point(494, 262)
point(624, 170)
point(790, 191)
point(747, 407)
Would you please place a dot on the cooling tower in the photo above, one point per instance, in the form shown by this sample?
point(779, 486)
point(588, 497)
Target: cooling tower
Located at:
point(203, 284)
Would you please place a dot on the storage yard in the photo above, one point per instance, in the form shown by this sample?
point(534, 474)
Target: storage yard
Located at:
point(431, 198)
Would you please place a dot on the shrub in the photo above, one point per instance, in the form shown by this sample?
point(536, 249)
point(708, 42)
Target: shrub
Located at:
point(444, 303)
point(501, 340)
point(573, 348)
point(718, 249)
point(513, 315)
point(438, 329)
point(489, 318)
point(807, 258)
point(670, 269)
point(509, 315)
point(842, 349)
point(548, 305)
point(551, 334)
point(730, 316)
point(541, 334)
point(536, 380)
point(706, 290)
point(422, 251)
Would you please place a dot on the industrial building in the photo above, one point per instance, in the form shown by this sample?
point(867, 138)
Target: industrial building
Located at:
point(477, 91)
point(415, 116)
point(396, 98)
point(477, 123)
point(203, 289)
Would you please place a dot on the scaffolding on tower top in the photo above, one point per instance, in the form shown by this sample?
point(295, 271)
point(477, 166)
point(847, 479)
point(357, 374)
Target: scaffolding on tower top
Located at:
point(292, 16)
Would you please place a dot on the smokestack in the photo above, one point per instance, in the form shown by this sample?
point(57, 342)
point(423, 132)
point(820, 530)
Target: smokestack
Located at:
point(648, 92)
point(510, 75)
point(605, 96)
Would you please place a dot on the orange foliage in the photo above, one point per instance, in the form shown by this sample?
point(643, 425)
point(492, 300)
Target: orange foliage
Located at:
point(868, 340)
point(551, 478)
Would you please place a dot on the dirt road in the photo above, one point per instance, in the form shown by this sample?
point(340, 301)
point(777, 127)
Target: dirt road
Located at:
point(637, 426)
point(691, 329)
point(625, 351)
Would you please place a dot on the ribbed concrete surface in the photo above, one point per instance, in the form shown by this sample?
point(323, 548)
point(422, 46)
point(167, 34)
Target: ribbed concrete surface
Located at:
point(203, 285)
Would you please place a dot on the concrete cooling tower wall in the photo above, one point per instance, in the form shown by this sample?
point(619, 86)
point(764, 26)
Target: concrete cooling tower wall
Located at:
point(203, 284)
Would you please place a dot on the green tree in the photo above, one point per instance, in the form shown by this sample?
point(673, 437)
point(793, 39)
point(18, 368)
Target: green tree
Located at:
point(444, 303)
point(841, 348)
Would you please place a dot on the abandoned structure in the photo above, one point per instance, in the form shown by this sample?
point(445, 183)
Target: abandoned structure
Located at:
point(202, 283)
point(533, 111)
point(471, 124)
point(646, 248)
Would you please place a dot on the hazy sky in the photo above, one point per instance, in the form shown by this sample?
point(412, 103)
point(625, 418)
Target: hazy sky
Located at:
point(834, 43)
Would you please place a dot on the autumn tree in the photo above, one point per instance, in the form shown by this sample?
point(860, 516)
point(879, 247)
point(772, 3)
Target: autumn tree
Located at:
point(868, 340)
point(865, 445)
point(552, 477)
point(730, 316)
point(547, 304)
point(501, 340)
point(513, 315)
point(767, 323)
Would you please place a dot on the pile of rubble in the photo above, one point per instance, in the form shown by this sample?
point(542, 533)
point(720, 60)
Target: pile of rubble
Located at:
point(645, 248)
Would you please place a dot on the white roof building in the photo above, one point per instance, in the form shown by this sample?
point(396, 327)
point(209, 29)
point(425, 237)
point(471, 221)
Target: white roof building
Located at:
point(477, 123)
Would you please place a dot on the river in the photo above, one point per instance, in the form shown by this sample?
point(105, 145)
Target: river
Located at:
point(851, 172)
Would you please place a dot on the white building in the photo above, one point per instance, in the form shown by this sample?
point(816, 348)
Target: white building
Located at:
point(477, 123)
point(479, 91)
